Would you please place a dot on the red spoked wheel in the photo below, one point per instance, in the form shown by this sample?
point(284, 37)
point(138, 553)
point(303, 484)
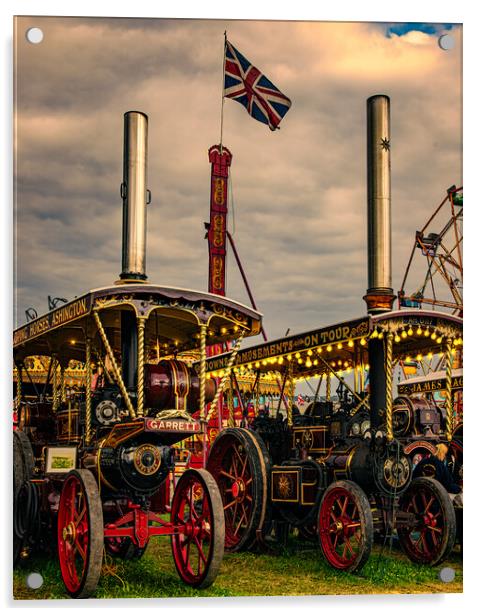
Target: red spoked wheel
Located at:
point(239, 463)
point(345, 526)
point(199, 546)
point(432, 538)
point(80, 533)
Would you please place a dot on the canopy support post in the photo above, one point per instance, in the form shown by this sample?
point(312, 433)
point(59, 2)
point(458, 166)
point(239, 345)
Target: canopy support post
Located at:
point(88, 391)
point(449, 360)
point(141, 325)
point(202, 389)
point(388, 381)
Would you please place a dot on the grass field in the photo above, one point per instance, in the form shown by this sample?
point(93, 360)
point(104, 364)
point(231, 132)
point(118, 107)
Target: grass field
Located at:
point(296, 569)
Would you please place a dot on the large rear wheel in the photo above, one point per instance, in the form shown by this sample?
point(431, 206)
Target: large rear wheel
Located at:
point(80, 533)
point(197, 507)
point(432, 538)
point(239, 463)
point(24, 494)
point(345, 526)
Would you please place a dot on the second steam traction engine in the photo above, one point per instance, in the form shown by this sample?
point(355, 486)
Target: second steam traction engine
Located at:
point(339, 471)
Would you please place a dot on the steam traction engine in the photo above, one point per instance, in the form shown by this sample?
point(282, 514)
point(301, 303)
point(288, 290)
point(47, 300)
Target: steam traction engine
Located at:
point(90, 466)
point(339, 472)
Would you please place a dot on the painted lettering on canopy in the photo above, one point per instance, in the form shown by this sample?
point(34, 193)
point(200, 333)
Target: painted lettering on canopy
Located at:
point(292, 344)
point(70, 312)
point(430, 385)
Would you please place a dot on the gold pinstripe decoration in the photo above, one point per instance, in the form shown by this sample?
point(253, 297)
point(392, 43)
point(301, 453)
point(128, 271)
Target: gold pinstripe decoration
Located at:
point(328, 387)
point(449, 360)
point(388, 384)
point(141, 325)
point(88, 392)
point(115, 368)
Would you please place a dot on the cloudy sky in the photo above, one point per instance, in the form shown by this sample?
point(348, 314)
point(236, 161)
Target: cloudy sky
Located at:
point(298, 211)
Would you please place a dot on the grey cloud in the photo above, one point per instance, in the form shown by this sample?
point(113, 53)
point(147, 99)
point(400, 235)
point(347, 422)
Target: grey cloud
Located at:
point(299, 193)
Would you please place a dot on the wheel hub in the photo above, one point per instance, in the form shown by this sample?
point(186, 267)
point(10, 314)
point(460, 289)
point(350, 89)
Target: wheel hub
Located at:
point(69, 533)
point(238, 488)
point(339, 526)
point(428, 519)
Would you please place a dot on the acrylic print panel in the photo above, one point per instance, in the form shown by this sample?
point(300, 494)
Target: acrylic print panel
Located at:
point(240, 373)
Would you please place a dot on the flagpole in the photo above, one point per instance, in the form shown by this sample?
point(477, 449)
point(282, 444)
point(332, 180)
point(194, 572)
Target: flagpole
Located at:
point(222, 92)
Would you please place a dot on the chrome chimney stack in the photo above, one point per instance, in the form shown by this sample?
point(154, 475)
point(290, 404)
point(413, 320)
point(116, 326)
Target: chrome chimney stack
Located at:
point(135, 197)
point(379, 296)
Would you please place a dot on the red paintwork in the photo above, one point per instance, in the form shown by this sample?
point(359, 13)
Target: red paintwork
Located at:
point(340, 527)
point(73, 511)
point(136, 524)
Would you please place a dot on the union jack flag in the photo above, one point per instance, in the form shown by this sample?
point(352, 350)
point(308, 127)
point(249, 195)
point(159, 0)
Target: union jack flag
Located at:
point(245, 84)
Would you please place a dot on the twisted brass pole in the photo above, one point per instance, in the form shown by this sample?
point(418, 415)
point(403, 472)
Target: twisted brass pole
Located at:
point(88, 392)
point(449, 360)
point(222, 384)
point(388, 384)
point(289, 410)
point(62, 384)
point(54, 382)
point(256, 406)
point(202, 389)
point(141, 325)
point(18, 398)
point(202, 371)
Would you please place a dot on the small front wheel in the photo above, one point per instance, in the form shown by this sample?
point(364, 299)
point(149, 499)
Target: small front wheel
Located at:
point(345, 526)
point(197, 511)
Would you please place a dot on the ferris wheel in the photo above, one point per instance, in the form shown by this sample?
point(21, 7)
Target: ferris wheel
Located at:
point(434, 273)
